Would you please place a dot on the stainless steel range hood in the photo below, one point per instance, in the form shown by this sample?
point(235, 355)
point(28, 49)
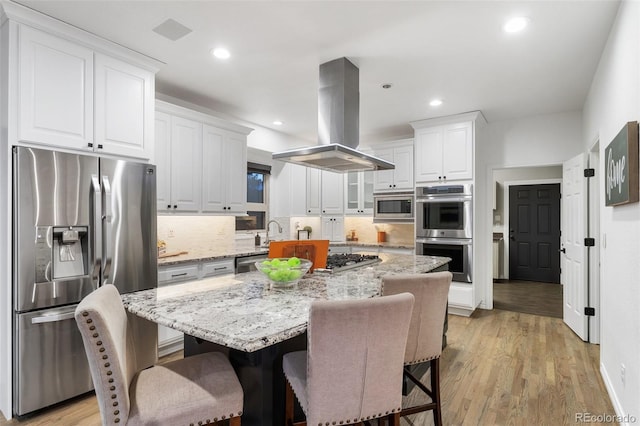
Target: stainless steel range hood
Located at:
point(338, 125)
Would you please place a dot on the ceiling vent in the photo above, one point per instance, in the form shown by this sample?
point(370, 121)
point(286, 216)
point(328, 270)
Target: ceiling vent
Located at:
point(173, 30)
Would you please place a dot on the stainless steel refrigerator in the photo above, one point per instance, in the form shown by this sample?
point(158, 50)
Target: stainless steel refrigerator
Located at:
point(79, 222)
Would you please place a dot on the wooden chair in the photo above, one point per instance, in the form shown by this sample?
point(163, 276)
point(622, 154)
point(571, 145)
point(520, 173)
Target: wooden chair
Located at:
point(351, 371)
point(195, 390)
point(424, 343)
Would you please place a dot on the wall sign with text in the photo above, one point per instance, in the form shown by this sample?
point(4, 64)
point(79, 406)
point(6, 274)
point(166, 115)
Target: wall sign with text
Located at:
point(621, 167)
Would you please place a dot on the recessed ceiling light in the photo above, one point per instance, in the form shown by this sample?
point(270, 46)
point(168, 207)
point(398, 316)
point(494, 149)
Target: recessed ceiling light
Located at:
point(220, 53)
point(516, 24)
point(278, 123)
point(435, 102)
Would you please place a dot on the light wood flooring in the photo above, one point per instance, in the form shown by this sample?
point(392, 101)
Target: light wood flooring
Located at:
point(499, 368)
point(529, 297)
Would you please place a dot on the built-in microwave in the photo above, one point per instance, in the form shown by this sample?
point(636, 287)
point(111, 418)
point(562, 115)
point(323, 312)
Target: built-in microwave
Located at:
point(396, 207)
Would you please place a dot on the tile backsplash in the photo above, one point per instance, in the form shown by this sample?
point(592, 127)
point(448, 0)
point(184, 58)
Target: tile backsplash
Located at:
point(367, 231)
point(184, 233)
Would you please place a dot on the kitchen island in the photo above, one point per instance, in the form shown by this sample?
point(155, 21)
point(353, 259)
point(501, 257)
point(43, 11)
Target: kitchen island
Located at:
point(254, 324)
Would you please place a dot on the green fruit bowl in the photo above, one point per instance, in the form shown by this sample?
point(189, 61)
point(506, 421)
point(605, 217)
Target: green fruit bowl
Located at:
point(283, 271)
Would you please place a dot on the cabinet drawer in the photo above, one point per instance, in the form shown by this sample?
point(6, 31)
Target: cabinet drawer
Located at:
point(173, 274)
point(211, 269)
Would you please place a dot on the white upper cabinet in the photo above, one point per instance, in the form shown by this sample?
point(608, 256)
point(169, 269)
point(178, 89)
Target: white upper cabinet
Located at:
point(201, 168)
point(359, 193)
point(288, 184)
point(186, 165)
point(74, 97)
point(313, 194)
point(55, 89)
point(225, 171)
point(401, 178)
point(124, 103)
point(444, 153)
point(445, 147)
point(332, 193)
point(163, 160)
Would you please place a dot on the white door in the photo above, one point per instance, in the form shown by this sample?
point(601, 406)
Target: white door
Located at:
point(214, 166)
point(574, 253)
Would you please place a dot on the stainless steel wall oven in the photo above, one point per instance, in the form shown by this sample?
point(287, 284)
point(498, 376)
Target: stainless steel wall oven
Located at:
point(444, 226)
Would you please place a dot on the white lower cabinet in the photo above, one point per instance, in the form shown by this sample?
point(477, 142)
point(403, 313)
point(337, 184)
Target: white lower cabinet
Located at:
point(170, 340)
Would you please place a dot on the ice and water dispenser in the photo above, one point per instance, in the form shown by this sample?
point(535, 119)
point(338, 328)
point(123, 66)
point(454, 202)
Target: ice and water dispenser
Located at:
point(62, 252)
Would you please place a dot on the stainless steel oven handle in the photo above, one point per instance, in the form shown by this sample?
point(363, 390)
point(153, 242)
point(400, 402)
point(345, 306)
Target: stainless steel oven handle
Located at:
point(444, 199)
point(53, 318)
point(445, 241)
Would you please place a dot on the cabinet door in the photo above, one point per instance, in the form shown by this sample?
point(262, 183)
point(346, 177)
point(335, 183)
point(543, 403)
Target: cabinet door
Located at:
point(457, 158)
point(403, 173)
point(214, 169)
point(186, 164)
point(235, 157)
point(163, 160)
point(337, 231)
point(297, 190)
point(366, 193)
point(352, 191)
point(383, 179)
point(327, 228)
point(313, 191)
point(124, 96)
point(332, 193)
point(55, 91)
point(429, 154)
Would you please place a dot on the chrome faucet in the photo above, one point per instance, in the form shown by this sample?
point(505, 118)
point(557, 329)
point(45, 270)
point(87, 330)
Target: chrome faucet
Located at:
point(279, 229)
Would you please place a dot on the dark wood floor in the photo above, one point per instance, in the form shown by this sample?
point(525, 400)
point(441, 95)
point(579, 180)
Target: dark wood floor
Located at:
point(528, 297)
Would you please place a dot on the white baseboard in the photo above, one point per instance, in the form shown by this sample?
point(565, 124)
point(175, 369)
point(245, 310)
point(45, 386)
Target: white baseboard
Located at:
point(170, 346)
point(615, 401)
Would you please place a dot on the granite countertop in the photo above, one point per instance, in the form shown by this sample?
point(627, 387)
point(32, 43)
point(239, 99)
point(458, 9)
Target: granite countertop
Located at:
point(222, 252)
point(225, 252)
point(242, 312)
point(379, 245)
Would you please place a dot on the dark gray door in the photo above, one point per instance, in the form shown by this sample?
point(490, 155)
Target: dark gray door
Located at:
point(534, 233)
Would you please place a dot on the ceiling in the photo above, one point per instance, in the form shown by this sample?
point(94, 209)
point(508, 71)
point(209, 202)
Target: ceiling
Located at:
point(454, 50)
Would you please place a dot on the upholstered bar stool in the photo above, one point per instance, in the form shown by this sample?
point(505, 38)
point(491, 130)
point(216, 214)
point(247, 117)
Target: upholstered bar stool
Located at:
point(424, 343)
point(352, 369)
point(196, 390)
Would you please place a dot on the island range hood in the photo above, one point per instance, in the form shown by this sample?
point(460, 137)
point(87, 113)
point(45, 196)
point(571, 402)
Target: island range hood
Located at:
point(338, 125)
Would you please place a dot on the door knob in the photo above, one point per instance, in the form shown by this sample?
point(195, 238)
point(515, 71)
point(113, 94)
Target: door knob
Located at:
point(563, 250)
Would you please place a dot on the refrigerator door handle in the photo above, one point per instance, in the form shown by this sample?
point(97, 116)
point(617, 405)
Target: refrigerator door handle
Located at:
point(97, 229)
point(107, 219)
point(52, 318)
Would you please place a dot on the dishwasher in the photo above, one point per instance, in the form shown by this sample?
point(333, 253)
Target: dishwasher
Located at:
point(247, 263)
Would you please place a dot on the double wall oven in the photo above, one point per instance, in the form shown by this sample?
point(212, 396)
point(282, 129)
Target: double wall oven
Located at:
point(444, 219)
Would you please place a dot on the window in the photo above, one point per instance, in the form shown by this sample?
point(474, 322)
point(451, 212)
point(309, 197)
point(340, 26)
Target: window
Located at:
point(257, 198)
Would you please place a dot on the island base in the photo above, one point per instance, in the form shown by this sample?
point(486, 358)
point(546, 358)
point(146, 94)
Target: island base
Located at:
point(260, 374)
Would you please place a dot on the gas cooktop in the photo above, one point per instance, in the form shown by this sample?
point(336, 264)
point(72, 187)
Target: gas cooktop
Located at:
point(343, 261)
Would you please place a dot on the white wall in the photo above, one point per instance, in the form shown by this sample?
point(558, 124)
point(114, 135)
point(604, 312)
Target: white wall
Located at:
point(613, 100)
point(532, 141)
